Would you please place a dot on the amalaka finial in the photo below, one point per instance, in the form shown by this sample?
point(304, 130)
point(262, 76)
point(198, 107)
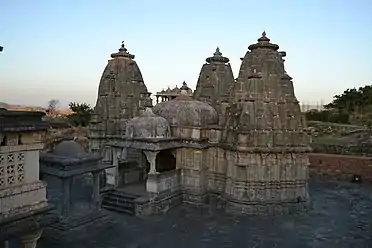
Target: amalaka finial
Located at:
point(264, 33)
point(123, 52)
point(217, 57)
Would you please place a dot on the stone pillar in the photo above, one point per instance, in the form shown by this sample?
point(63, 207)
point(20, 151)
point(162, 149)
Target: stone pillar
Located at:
point(151, 157)
point(157, 99)
point(66, 195)
point(96, 189)
point(30, 240)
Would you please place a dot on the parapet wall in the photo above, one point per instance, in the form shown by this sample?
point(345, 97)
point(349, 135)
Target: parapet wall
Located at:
point(340, 167)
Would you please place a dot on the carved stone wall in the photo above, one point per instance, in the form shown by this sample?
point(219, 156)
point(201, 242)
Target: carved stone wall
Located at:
point(265, 127)
point(215, 82)
point(120, 94)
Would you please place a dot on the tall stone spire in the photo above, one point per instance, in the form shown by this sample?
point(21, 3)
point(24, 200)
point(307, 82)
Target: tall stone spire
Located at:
point(120, 93)
point(264, 121)
point(215, 82)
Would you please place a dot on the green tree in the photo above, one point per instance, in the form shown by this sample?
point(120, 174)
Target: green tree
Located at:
point(354, 104)
point(82, 113)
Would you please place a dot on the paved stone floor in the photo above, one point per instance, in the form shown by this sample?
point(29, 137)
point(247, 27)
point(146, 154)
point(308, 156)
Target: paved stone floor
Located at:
point(341, 216)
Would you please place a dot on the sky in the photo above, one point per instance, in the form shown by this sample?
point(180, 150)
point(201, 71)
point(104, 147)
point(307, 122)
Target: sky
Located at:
point(58, 49)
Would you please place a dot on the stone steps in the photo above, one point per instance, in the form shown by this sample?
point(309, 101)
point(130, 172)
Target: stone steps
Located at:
point(118, 201)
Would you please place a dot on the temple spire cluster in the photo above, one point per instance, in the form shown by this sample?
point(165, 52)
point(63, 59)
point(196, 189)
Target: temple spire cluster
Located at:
point(242, 139)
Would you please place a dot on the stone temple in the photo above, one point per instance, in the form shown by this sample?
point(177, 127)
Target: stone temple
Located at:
point(238, 144)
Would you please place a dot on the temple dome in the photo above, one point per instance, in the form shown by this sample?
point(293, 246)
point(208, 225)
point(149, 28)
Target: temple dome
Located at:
point(69, 148)
point(185, 111)
point(148, 125)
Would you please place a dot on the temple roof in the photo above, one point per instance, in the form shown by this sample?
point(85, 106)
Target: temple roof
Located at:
point(70, 149)
point(123, 52)
point(217, 57)
point(175, 91)
point(21, 121)
point(185, 111)
point(148, 125)
point(263, 42)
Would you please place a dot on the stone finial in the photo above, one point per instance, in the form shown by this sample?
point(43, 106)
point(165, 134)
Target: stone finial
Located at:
point(184, 86)
point(264, 42)
point(123, 52)
point(264, 38)
point(122, 47)
point(217, 57)
point(217, 53)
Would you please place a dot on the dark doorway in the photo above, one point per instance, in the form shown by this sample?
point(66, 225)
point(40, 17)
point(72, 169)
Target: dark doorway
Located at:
point(165, 161)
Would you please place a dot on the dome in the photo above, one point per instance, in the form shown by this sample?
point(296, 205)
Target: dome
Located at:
point(185, 111)
point(148, 125)
point(69, 148)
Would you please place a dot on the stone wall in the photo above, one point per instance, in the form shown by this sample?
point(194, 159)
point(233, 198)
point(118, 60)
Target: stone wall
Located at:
point(360, 149)
point(340, 167)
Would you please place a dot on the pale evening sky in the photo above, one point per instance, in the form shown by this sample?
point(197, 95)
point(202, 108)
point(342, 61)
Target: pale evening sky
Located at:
point(59, 48)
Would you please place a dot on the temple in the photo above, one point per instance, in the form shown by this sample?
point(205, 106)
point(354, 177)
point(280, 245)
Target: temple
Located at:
point(122, 93)
point(236, 144)
point(170, 94)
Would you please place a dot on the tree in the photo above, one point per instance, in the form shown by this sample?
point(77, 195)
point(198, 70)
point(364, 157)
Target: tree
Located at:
point(352, 106)
point(52, 108)
point(82, 113)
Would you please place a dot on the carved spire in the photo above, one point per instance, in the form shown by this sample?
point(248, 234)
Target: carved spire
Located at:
point(263, 42)
point(217, 57)
point(123, 52)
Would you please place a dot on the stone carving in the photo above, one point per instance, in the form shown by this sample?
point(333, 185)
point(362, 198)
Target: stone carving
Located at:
point(215, 81)
point(120, 88)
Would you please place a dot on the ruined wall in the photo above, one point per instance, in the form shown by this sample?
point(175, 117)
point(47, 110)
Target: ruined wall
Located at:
point(340, 167)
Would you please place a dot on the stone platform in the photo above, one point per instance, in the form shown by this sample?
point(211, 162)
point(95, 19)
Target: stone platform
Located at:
point(67, 229)
point(340, 217)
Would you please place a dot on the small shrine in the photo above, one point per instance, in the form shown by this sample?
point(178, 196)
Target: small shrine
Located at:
point(73, 179)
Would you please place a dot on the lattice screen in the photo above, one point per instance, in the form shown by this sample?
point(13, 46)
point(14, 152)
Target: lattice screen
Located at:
point(11, 169)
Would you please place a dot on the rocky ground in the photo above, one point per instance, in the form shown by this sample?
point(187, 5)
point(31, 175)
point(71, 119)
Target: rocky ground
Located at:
point(341, 216)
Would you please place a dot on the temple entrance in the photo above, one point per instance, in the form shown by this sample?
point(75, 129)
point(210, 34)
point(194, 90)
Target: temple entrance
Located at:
point(129, 172)
point(165, 161)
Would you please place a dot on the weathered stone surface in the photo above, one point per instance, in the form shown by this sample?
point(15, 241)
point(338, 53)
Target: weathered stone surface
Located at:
point(148, 125)
point(121, 93)
point(263, 121)
point(23, 199)
point(184, 111)
point(215, 82)
point(339, 216)
point(243, 142)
